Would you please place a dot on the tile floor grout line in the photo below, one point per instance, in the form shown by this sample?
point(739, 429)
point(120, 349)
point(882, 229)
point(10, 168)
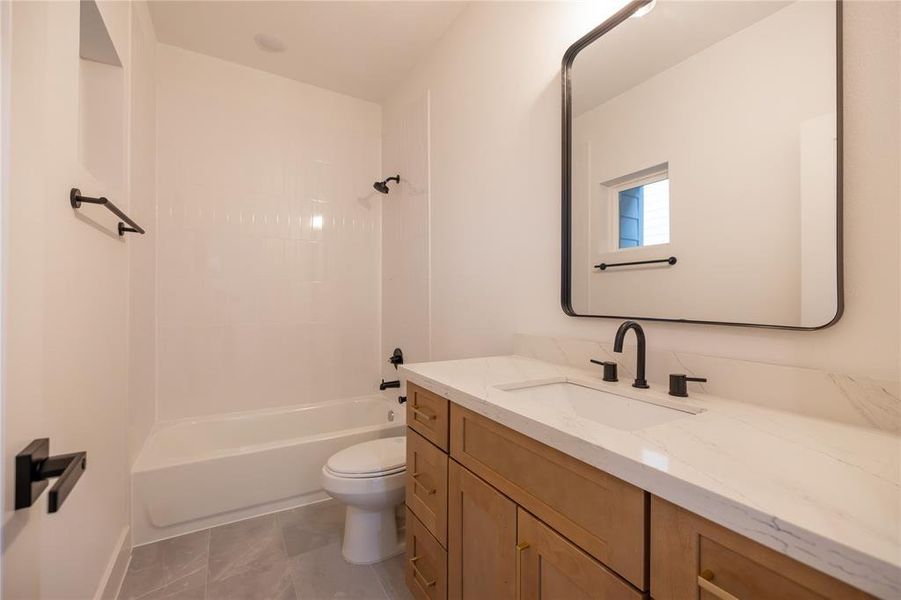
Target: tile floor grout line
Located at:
point(281, 534)
point(209, 557)
point(165, 585)
point(381, 581)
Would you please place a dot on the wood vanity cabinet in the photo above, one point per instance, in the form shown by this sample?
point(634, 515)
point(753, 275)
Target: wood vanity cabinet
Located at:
point(514, 518)
point(692, 557)
point(493, 514)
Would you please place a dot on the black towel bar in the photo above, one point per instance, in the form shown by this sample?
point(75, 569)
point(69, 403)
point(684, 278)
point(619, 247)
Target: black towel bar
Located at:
point(75, 199)
point(604, 266)
point(34, 466)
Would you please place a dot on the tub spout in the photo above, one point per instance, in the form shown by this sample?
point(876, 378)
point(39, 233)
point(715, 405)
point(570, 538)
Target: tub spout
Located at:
point(389, 384)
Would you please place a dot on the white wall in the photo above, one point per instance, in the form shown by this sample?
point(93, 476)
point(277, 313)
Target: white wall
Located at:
point(66, 302)
point(268, 243)
point(734, 175)
point(494, 92)
point(142, 256)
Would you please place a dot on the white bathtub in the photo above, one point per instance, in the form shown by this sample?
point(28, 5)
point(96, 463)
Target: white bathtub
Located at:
point(198, 473)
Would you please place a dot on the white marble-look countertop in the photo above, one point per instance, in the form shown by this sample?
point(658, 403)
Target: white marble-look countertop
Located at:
point(826, 494)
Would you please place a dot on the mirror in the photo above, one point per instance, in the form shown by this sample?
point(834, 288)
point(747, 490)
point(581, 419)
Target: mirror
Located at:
point(702, 164)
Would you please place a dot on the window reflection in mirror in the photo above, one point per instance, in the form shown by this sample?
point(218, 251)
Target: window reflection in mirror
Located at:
point(642, 212)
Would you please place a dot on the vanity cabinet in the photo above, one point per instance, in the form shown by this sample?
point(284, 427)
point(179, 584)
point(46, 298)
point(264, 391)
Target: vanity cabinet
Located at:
point(514, 518)
point(493, 514)
point(692, 557)
point(601, 514)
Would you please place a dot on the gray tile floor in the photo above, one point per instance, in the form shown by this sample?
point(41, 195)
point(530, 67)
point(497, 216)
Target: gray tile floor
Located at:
point(291, 555)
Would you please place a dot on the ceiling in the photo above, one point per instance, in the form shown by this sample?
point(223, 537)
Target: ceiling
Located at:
point(641, 47)
point(362, 49)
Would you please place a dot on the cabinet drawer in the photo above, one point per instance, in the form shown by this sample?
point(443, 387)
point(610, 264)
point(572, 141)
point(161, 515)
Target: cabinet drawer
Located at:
point(603, 515)
point(692, 557)
point(426, 568)
point(427, 414)
point(427, 484)
point(550, 567)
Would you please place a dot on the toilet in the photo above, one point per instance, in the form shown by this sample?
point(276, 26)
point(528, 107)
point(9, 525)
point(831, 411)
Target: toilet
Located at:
point(369, 478)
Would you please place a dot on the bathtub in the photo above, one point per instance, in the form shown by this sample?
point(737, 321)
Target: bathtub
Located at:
point(197, 473)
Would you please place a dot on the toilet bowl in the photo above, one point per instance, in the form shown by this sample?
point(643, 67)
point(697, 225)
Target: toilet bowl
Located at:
point(369, 478)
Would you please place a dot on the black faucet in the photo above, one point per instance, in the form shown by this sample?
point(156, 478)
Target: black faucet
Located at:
point(640, 381)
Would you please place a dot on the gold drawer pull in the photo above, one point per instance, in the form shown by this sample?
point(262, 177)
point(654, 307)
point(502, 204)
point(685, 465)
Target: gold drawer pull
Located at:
point(519, 548)
point(418, 576)
point(422, 414)
point(705, 582)
point(428, 491)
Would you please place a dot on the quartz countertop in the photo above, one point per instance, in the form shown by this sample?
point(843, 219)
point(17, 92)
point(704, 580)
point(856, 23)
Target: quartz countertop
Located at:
point(826, 494)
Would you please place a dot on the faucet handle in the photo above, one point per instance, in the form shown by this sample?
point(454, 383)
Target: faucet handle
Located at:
point(678, 384)
point(609, 369)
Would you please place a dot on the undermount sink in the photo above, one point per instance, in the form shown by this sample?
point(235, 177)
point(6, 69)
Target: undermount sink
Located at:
point(589, 402)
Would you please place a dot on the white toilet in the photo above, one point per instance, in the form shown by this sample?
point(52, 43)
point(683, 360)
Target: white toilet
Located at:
point(369, 478)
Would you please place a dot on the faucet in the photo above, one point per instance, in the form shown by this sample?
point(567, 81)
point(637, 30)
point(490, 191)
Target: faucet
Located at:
point(389, 384)
point(640, 381)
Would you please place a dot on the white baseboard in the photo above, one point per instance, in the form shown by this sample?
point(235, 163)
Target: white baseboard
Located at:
point(115, 570)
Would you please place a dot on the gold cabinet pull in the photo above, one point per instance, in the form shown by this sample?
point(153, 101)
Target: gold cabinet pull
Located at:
point(427, 490)
point(421, 413)
point(705, 582)
point(420, 579)
point(519, 549)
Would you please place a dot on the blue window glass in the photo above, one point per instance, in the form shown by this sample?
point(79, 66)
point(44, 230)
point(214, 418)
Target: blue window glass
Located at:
point(631, 217)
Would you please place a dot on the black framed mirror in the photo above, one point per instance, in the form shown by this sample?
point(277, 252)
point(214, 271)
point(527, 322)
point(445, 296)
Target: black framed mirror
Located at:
point(702, 165)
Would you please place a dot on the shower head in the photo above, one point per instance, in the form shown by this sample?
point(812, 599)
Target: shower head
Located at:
point(382, 186)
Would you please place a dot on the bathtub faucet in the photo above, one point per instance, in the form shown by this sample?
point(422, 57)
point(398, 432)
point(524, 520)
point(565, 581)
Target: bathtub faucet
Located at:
point(389, 384)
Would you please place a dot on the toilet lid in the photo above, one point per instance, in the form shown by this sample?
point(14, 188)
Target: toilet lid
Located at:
point(370, 459)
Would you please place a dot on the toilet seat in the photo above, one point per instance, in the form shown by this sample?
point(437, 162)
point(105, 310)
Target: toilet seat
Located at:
point(364, 475)
point(375, 458)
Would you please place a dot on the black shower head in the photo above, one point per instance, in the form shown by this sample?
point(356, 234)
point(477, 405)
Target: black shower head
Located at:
point(382, 186)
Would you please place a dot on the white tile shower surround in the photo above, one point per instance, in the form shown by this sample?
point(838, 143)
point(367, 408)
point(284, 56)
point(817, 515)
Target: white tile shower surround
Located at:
point(405, 235)
point(293, 554)
point(823, 492)
point(268, 240)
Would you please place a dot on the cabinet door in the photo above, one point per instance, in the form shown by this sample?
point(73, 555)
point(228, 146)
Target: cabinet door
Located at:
point(551, 568)
point(481, 539)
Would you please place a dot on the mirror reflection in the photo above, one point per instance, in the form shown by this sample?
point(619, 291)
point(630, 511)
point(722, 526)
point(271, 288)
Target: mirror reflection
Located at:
point(707, 132)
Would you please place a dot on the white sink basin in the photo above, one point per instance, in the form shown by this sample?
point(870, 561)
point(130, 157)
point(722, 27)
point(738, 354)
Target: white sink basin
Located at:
point(588, 402)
